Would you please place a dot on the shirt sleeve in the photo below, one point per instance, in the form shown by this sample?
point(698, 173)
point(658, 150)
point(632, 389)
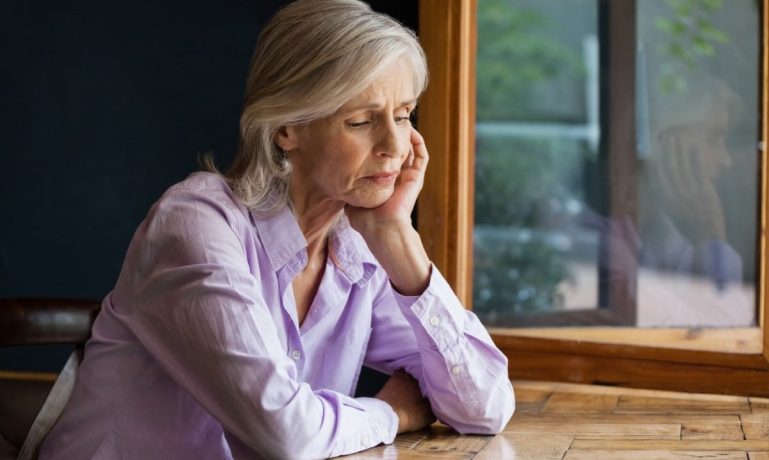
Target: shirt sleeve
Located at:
point(447, 349)
point(188, 294)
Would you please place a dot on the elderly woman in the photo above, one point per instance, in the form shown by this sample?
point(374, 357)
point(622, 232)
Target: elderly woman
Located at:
point(248, 302)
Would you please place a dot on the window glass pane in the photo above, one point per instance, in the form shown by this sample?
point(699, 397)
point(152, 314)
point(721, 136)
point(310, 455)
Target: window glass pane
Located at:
point(564, 219)
point(698, 131)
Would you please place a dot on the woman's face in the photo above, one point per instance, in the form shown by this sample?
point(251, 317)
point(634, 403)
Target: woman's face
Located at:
point(355, 155)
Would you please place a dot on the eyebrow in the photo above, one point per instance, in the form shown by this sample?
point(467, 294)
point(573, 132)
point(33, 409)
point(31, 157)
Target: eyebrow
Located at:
point(376, 106)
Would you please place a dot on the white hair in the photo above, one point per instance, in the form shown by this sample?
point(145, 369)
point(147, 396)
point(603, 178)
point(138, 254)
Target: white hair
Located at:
point(313, 57)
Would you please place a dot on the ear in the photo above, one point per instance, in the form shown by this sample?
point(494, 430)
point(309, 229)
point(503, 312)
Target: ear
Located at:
point(286, 137)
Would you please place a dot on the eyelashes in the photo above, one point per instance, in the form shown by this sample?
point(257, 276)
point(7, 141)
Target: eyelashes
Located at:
point(408, 119)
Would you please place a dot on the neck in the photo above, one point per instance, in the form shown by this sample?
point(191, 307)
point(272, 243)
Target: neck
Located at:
point(315, 217)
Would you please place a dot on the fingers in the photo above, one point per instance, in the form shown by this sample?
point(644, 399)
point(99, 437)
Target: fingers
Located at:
point(419, 150)
point(409, 160)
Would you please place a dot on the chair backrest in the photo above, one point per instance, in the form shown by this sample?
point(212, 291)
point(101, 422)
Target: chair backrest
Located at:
point(42, 322)
point(46, 321)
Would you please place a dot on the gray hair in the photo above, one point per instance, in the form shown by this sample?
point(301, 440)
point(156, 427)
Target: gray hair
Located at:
point(311, 58)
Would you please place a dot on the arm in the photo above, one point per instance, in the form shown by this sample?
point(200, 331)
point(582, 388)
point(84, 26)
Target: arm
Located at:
point(449, 352)
point(419, 324)
point(189, 296)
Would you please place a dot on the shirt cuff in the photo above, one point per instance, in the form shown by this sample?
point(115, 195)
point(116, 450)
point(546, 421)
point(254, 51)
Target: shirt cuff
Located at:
point(383, 426)
point(385, 423)
point(437, 312)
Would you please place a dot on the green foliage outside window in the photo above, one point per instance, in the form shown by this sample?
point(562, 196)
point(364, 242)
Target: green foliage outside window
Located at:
point(512, 56)
point(690, 37)
point(522, 192)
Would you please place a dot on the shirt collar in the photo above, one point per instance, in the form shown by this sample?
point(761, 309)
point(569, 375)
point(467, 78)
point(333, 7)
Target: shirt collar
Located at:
point(350, 252)
point(280, 235)
point(283, 240)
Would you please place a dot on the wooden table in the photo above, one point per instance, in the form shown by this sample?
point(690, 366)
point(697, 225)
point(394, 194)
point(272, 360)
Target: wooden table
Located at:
point(580, 422)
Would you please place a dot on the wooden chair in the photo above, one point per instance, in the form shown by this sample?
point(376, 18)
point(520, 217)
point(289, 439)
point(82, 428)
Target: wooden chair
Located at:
point(30, 403)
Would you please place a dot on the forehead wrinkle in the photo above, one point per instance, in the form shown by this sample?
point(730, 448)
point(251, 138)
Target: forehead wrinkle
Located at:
point(397, 80)
point(376, 106)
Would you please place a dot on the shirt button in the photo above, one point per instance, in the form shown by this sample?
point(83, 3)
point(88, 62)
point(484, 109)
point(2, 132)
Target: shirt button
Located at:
point(296, 355)
point(456, 370)
point(435, 321)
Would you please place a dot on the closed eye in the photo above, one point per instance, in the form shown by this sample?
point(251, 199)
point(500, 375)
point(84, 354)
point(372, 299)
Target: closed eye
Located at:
point(409, 117)
point(358, 124)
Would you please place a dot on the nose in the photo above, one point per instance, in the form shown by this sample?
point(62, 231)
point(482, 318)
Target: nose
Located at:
point(387, 140)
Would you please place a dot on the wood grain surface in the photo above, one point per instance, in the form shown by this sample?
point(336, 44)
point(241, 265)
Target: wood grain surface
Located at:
point(562, 421)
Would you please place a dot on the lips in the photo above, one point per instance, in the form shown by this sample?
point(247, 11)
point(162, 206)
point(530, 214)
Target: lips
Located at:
point(382, 174)
point(383, 178)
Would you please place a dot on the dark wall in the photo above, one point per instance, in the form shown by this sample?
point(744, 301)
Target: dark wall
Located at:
point(103, 105)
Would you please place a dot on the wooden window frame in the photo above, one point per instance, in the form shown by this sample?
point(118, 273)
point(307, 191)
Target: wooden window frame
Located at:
point(733, 361)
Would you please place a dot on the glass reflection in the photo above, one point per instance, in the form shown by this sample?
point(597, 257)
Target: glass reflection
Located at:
point(698, 163)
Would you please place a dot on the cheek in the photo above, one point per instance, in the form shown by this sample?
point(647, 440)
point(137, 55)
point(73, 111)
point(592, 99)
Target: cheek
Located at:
point(342, 162)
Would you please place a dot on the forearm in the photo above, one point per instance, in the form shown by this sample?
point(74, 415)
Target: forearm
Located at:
point(447, 350)
point(462, 372)
point(401, 254)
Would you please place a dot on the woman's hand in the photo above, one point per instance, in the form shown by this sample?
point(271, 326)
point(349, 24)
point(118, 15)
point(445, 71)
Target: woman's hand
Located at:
point(397, 209)
point(388, 231)
point(402, 393)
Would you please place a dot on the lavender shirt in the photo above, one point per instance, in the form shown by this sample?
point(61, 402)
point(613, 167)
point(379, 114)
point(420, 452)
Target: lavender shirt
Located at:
point(197, 352)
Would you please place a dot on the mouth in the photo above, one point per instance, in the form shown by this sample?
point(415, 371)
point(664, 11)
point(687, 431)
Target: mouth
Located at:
point(382, 178)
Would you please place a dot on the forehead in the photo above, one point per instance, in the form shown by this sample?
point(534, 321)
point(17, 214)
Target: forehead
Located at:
point(395, 85)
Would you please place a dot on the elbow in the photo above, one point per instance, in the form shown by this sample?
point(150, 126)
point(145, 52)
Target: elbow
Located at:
point(498, 417)
point(500, 409)
point(493, 414)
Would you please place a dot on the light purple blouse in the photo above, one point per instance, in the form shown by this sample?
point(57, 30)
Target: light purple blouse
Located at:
point(197, 352)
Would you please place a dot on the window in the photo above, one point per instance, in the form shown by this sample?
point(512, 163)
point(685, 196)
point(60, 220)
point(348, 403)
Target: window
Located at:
point(614, 173)
point(616, 185)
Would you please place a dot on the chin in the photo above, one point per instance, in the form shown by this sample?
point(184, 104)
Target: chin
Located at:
point(372, 201)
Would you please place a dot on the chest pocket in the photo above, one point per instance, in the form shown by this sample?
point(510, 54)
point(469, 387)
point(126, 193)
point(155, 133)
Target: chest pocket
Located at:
point(342, 362)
